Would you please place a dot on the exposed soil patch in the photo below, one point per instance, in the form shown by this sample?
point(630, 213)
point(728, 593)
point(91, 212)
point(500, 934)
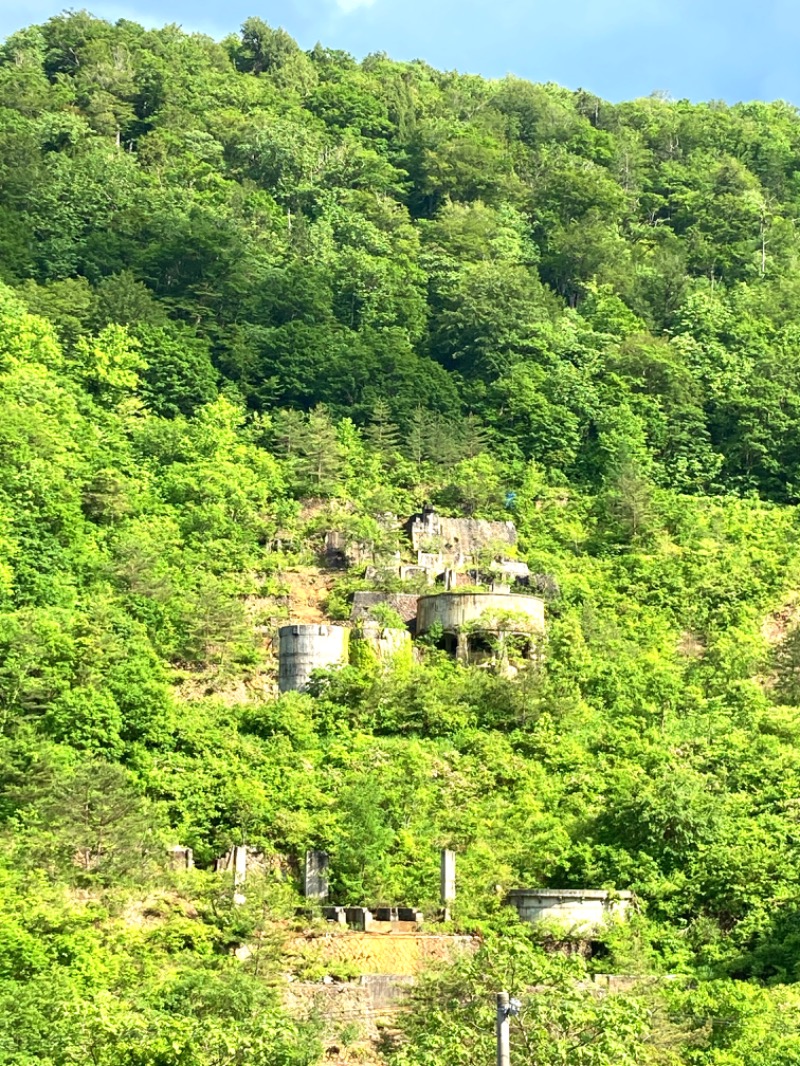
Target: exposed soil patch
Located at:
point(307, 589)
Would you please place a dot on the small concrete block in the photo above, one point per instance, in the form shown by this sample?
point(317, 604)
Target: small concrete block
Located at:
point(410, 914)
point(335, 914)
point(359, 918)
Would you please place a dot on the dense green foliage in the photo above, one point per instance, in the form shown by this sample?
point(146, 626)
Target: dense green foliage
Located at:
point(249, 293)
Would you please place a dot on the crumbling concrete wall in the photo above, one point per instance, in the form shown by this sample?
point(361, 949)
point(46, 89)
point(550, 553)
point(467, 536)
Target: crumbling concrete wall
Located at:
point(354, 1014)
point(380, 643)
point(459, 540)
point(315, 876)
point(404, 604)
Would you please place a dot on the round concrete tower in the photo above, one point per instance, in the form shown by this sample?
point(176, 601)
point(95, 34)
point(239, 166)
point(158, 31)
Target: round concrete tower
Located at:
point(304, 648)
point(465, 618)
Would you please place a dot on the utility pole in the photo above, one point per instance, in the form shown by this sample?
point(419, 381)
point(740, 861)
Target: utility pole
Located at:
point(505, 1008)
point(503, 1028)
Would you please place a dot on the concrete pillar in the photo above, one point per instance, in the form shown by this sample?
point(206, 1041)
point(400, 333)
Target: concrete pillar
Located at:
point(239, 865)
point(447, 868)
point(239, 873)
point(235, 860)
point(181, 858)
point(315, 880)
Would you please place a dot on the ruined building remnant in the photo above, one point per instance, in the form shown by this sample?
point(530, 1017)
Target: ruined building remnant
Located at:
point(470, 550)
point(181, 858)
point(315, 880)
point(579, 910)
point(479, 626)
point(442, 543)
point(235, 861)
point(342, 548)
point(383, 642)
point(486, 615)
point(305, 648)
point(402, 603)
point(448, 876)
point(376, 919)
point(458, 536)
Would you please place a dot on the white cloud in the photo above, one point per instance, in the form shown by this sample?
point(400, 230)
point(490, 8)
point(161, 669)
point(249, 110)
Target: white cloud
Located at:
point(347, 7)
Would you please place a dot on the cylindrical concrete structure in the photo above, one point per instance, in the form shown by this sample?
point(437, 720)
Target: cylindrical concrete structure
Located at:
point(452, 610)
point(304, 648)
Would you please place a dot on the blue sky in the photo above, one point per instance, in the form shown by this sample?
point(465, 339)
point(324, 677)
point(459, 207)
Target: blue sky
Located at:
point(619, 49)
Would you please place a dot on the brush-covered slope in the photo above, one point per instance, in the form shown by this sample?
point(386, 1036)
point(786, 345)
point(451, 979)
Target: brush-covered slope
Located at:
point(250, 293)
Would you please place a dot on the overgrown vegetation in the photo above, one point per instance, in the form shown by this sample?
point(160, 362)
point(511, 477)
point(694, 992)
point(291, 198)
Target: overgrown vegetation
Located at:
point(248, 291)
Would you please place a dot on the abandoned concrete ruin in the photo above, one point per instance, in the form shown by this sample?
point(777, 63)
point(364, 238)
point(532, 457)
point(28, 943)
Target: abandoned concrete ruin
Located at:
point(503, 624)
point(402, 603)
point(478, 627)
point(474, 627)
point(305, 648)
point(574, 912)
point(180, 857)
point(374, 919)
point(465, 551)
point(581, 911)
point(571, 913)
point(449, 551)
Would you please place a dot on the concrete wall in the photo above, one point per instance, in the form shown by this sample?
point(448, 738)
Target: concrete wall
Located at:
point(453, 610)
point(458, 538)
point(304, 648)
point(361, 1009)
point(579, 910)
point(404, 604)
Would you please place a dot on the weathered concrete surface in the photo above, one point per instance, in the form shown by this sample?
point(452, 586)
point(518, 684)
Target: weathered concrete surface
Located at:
point(459, 540)
point(305, 648)
point(580, 911)
point(236, 859)
point(315, 879)
point(452, 610)
point(181, 858)
point(404, 604)
point(354, 1014)
point(447, 876)
point(382, 642)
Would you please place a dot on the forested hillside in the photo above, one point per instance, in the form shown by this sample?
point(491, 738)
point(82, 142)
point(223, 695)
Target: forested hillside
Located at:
point(249, 294)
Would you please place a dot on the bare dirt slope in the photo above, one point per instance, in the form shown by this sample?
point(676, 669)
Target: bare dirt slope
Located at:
point(307, 588)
